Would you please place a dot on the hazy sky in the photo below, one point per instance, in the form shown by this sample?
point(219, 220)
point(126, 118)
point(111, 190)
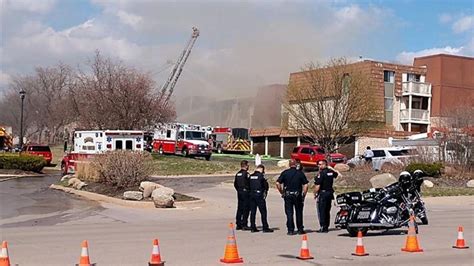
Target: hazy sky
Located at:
point(243, 44)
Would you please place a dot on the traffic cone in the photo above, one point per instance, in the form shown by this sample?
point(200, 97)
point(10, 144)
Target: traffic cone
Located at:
point(231, 254)
point(460, 244)
point(304, 251)
point(155, 255)
point(84, 260)
point(4, 259)
point(360, 249)
point(412, 240)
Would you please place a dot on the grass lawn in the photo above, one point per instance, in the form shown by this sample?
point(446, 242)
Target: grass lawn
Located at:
point(178, 165)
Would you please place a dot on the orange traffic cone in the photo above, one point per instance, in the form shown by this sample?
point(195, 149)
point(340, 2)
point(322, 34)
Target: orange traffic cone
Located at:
point(231, 254)
point(460, 241)
point(155, 255)
point(412, 241)
point(84, 260)
point(360, 249)
point(304, 251)
point(4, 259)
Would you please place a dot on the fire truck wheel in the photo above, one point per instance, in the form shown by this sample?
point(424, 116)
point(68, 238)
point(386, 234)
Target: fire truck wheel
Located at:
point(160, 150)
point(185, 152)
point(63, 168)
point(219, 149)
point(208, 158)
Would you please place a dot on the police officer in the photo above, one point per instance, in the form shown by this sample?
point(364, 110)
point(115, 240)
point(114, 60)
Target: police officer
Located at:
point(293, 187)
point(241, 184)
point(323, 192)
point(258, 192)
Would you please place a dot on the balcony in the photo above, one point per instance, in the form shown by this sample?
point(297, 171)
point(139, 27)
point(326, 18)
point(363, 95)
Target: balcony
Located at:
point(417, 116)
point(416, 88)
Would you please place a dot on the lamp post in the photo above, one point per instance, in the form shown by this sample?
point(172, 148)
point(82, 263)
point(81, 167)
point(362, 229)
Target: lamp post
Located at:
point(22, 97)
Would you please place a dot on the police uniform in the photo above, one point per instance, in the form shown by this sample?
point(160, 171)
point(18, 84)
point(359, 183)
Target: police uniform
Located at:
point(325, 180)
point(293, 181)
point(241, 184)
point(258, 191)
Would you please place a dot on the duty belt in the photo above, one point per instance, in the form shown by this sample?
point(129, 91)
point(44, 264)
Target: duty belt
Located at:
point(257, 191)
point(292, 192)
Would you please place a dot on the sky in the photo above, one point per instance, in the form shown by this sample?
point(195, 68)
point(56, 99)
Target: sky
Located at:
point(243, 44)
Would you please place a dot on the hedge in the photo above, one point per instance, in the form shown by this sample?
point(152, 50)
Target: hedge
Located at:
point(430, 169)
point(24, 162)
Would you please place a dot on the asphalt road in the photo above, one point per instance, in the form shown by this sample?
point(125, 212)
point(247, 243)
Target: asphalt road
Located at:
point(197, 235)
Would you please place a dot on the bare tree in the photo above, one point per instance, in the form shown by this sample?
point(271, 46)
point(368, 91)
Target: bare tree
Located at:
point(331, 103)
point(111, 95)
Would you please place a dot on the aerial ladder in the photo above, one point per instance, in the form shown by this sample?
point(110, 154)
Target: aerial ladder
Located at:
point(168, 86)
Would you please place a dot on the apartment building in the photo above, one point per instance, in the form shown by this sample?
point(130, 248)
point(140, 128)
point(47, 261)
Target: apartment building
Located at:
point(402, 93)
point(452, 79)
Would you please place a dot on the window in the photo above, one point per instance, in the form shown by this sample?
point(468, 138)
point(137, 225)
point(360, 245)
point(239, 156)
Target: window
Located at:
point(168, 133)
point(379, 153)
point(181, 135)
point(413, 77)
point(389, 76)
point(88, 148)
point(306, 151)
point(196, 135)
point(295, 150)
point(399, 153)
point(388, 104)
point(39, 148)
point(129, 144)
point(118, 145)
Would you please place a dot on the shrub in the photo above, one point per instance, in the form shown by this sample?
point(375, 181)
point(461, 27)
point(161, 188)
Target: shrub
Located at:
point(430, 169)
point(24, 162)
point(123, 169)
point(86, 171)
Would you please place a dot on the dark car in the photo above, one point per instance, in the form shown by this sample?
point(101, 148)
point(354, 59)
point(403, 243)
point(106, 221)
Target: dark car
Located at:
point(310, 155)
point(38, 150)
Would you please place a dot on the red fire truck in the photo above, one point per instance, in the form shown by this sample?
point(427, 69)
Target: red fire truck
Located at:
point(86, 144)
point(226, 139)
point(183, 139)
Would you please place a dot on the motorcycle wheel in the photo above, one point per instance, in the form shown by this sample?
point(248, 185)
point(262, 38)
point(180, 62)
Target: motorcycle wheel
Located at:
point(353, 231)
point(424, 220)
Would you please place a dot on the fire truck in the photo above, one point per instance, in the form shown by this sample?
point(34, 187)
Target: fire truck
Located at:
point(182, 139)
point(86, 144)
point(226, 139)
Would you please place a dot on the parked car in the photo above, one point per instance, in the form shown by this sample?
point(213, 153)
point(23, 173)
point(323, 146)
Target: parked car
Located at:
point(392, 155)
point(310, 155)
point(38, 150)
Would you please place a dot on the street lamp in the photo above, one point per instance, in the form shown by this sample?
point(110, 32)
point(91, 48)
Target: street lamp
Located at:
point(22, 97)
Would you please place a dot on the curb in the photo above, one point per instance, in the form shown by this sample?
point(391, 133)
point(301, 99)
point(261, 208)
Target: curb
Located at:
point(121, 202)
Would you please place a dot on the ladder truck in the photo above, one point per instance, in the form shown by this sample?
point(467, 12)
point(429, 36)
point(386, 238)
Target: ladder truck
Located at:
point(168, 86)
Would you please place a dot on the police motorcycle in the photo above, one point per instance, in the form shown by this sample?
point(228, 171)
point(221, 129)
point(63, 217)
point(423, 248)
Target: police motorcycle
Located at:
point(380, 209)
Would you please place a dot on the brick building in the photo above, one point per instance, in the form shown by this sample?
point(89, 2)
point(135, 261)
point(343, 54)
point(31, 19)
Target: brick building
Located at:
point(452, 79)
point(402, 95)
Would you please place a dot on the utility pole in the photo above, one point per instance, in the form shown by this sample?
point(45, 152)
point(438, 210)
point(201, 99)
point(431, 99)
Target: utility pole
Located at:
point(22, 97)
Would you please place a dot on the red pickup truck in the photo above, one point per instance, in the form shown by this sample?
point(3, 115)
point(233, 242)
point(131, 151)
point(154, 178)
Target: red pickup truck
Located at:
point(38, 150)
point(310, 155)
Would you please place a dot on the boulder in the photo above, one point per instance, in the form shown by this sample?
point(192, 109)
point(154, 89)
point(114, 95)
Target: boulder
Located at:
point(66, 177)
point(133, 195)
point(163, 197)
point(73, 181)
point(79, 185)
point(342, 167)
point(382, 180)
point(470, 183)
point(428, 184)
point(283, 163)
point(147, 187)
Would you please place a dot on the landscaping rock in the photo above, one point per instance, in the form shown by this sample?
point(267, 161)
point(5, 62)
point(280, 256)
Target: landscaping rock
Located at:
point(283, 163)
point(133, 195)
point(66, 177)
point(428, 184)
point(73, 181)
point(342, 167)
point(163, 197)
point(470, 183)
point(147, 187)
point(382, 180)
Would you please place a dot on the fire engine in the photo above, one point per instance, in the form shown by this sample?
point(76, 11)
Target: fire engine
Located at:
point(226, 139)
point(86, 144)
point(182, 139)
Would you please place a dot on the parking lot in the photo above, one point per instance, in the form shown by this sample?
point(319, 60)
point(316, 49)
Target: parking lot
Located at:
point(197, 235)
